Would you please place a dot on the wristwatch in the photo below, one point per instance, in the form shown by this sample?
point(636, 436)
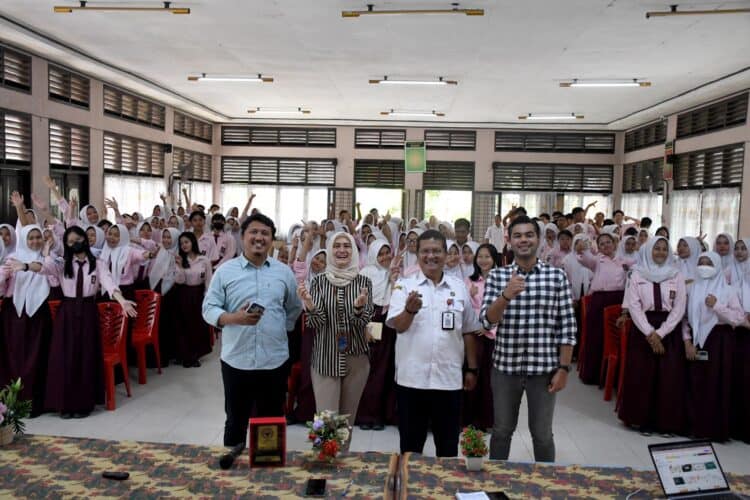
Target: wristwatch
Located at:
point(27, 266)
point(564, 367)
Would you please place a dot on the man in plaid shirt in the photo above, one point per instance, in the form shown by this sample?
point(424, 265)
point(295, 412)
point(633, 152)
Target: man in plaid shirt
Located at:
point(531, 304)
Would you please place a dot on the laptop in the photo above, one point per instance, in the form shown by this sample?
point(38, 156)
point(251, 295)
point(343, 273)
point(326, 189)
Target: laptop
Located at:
point(690, 469)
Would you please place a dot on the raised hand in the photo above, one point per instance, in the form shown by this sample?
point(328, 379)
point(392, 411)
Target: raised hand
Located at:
point(16, 198)
point(361, 299)
point(515, 287)
point(305, 297)
point(38, 202)
point(394, 274)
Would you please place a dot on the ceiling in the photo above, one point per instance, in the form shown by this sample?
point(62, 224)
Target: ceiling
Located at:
point(508, 63)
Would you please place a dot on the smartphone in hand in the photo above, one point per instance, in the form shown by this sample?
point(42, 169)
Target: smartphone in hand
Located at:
point(255, 308)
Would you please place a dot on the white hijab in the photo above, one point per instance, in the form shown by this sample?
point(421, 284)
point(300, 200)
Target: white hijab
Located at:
point(579, 275)
point(117, 258)
point(96, 248)
point(468, 269)
point(13, 239)
point(702, 318)
point(411, 259)
point(30, 289)
point(687, 266)
point(163, 268)
point(180, 222)
point(650, 270)
point(310, 273)
point(341, 277)
point(622, 252)
point(84, 218)
point(740, 271)
point(726, 260)
point(378, 274)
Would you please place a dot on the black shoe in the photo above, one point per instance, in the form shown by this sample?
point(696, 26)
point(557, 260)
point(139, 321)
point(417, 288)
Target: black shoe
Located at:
point(82, 414)
point(196, 364)
point(66, 416)
point(378, 427)
point(366, 427)
point(187, 364)
point(290, 420)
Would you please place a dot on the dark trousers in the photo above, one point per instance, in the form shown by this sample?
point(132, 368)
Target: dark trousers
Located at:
point(419, 409)
point(243, 388)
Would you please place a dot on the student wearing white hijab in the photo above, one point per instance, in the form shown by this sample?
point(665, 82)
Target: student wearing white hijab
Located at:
point(25, 322)
point(123, 259)
point(549, 243)
point(8, 235)
point(453, 262)
point(740, 409)
point(410, 262)
point(162, 279)
point(96, 238)
point(713, 311)
point(724, 246)
point(339, 307)
point(88, 215)
point(739, 270)
point(468, 250)
point(653, 390)
point(628, 249)
point(579, 275)
point(688, 250)
point(377, 404)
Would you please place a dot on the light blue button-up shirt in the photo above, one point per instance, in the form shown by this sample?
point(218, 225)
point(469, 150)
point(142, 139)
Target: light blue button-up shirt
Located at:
point(238, 282)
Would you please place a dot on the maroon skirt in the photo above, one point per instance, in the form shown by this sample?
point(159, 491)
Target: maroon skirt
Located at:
point(591, 350)
point(193, 334)
point(477, 406)
point(378, 402)
point(167, 332)
point(304, 408)
point(741, 386)
point(75, 381)
point(653, 389)
point(24, 351)
point(710, 387)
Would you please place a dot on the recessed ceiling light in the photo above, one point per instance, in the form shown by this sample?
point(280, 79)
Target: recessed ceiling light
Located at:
point(371, 11)
point(84, 6)
point(439, 81)
point(404, 112)
point(203, 77)
point(633, 82)
point(279, 111)
point(551, 116)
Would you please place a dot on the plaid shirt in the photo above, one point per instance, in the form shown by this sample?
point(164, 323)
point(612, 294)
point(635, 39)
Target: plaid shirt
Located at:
point(535, 323)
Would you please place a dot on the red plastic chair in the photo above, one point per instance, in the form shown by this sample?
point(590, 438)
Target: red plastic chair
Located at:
point(624, 332)
point(611, 354)
point(113, 326)
point(583, 305)
point(146, 329)
point(54, 305)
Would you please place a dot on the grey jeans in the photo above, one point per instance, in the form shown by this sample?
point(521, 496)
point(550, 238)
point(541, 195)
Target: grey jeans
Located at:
point(507, 391)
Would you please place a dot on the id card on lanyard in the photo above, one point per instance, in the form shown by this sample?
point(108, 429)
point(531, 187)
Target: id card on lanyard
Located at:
point(448, 318)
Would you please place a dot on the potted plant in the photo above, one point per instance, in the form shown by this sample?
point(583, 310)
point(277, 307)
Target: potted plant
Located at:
point(12, 412)
point(328, 432)
point(473, 448)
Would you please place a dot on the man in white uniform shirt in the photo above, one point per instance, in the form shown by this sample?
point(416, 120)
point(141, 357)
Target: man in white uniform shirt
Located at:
point(436, 327)
point(495, 234)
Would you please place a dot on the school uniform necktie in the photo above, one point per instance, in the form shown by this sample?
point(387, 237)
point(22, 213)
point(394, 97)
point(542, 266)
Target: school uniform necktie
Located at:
point(79, 280)
point(657, 297)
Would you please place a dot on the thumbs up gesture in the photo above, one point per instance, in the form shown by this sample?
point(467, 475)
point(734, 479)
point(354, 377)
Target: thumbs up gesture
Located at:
point(515, 286)
point(361, 299)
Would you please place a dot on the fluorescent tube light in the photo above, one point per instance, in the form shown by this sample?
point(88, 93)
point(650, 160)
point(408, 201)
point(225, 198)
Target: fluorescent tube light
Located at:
point(230, 78)
point(547, 116)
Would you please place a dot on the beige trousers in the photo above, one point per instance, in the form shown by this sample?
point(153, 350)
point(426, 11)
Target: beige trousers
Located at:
point(342, 394)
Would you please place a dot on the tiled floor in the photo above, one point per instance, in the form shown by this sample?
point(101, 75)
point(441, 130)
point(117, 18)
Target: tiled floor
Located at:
point(186, 406)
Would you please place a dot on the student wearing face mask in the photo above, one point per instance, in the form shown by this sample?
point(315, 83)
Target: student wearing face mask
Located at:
point(225, 242)
point(652, 397)
point(25, 322)
point(339, 306)
point(378, 403)
point(713, 311)
point(75, 378)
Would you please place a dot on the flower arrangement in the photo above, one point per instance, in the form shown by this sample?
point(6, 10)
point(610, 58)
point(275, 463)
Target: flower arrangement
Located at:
point(328, 433)
point(472, 442)
point(12, 409)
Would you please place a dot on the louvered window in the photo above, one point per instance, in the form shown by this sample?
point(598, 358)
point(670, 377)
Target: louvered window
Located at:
point(558, 178)
point(69, 87)
point(449, 176)
point(15, 69)
point(68, 146)
point(553, 142)
point(197, 165)
point(451, 139)
point(648, 135)
point(379, 138)
point(133, 108)
point(268, 136)
point(131, 156)
point(385, 174)
point(15, 138)
point(723, 114)
point(710, 168)
point(284, 171)
point(187, 126)
point(643, 176)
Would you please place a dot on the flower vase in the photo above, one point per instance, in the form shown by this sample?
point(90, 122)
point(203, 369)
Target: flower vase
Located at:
point(474, 463)
point(6, 435)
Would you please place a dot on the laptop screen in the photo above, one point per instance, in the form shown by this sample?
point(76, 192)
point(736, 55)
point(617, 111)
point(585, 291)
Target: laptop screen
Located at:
point(690, 467)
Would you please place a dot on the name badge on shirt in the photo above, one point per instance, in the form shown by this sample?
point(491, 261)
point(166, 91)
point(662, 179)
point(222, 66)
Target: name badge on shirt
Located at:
point(203, 275)
point(448, 320)
point(93, 279)
point(672, 294)
point(203, 252)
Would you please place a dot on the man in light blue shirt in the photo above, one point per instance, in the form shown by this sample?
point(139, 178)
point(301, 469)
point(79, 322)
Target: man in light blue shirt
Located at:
point(254, 345)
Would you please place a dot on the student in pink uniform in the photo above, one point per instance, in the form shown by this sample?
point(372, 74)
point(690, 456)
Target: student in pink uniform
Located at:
point(161, 279)
point(607, 288)
point(713, 311)
point(123, 260)
point(739, 270)
point(226, 245)
point(206, 242)
point(25, 322)
point(741, 367)
point(564, 247)
point(478, 403)
point(193, 274)
point(74, 377)
point(724, 246)
point(145, 243)
point(653, 392)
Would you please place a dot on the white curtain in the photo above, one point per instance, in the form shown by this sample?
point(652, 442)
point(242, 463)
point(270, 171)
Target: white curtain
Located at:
point(201, 193)
point(686, 214)
point(603, 203)
point(133, 193)
point(720, 212)
point(638, 205)
point(535, 203)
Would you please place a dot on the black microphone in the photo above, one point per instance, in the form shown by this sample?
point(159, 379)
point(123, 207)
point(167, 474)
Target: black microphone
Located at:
point(227, 460)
